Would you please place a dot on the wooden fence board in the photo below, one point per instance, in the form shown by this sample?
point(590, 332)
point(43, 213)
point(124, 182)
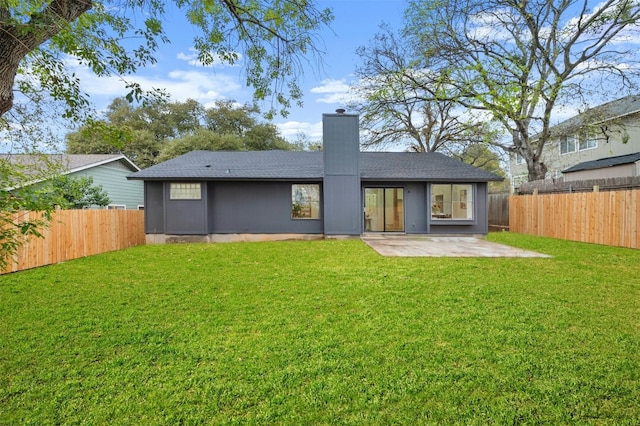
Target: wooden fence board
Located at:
point(79, 233)
point(610, 218)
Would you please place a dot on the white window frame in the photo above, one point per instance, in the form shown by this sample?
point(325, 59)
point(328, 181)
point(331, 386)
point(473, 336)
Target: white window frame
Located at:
point(185, 191)
point(519, 158)
point(565, 140)
point(117, 207)
point(587, 138)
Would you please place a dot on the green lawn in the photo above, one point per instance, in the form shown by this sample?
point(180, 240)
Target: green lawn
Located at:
point(323, 332)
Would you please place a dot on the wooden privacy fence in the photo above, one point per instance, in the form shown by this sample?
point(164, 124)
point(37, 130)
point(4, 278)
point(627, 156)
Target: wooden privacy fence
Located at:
point(79, 233)
point(499, 210)
point(611, 218)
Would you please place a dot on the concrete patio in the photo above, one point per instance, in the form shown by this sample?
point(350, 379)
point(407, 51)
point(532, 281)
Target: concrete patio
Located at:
point(445, 246)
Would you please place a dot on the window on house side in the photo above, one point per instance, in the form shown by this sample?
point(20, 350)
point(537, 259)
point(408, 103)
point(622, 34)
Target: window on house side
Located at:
point(305, 201)
point(567, 144)
point(452, 202)
point(519, 158)
point(587, 141)
point(185, 191)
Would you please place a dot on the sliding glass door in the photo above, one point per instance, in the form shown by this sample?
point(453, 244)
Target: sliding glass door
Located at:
point(384, 209)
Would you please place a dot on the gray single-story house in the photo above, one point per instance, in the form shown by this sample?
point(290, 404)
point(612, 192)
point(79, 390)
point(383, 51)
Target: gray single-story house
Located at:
point(218, 196)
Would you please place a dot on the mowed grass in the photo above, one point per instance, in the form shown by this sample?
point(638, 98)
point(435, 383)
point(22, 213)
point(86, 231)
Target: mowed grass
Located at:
point(323, 332)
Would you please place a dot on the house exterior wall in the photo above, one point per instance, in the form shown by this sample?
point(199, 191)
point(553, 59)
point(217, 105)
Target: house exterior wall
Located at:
point(556, 162)
point(623, 170)
point(255, 208)
point(154, 207)
point(478, 226)
point(113, 178)
point(185, 217)
point(341, 187)
point(229, 207)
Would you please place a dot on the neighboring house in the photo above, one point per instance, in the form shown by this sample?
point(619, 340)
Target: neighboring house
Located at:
point(611, 129)
point(619, 166)
point(107, 170)
point(213, 196)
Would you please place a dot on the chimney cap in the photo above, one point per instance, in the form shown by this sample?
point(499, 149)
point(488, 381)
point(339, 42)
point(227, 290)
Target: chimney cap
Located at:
point(340, 111)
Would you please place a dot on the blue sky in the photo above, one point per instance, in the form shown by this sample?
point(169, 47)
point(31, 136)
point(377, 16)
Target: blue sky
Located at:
point(355, 23)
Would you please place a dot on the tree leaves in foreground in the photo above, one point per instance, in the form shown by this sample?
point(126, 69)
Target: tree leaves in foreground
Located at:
point(270, 39)
point(18, 197)
point(76, 192)
point(521, 60)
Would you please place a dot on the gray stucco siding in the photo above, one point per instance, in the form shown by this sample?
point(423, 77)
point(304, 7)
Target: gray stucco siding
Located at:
point(259, 207)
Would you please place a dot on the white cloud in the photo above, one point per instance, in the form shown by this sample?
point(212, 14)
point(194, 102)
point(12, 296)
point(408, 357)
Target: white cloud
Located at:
point(290, 130)
point(203, 85)
point(333, 91)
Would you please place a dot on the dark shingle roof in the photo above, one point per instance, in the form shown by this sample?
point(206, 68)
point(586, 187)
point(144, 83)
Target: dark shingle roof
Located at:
point(602, 163)
point(284, 165)
point(68, 163)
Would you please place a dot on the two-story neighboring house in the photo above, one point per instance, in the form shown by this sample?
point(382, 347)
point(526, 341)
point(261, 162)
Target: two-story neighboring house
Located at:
point(608, 130)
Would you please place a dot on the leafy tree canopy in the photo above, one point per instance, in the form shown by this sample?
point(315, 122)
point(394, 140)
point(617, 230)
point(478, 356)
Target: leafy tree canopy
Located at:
point(158, 131)
point(270, 38)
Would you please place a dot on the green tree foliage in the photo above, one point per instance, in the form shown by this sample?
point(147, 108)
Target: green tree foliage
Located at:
point(159, 131)
point(521, 60)
point(75, 192)
point(17, 198)
point(269, 39)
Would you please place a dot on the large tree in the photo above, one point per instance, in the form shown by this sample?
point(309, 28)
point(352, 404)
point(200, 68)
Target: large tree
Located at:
point(520, 60)
point(159, 131)
point(271, 37)
point(402, 105)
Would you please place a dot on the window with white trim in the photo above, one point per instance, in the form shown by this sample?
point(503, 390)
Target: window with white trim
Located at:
point(588, 140)
point(567, 144)
point(519, 158)
point(116, 207)
point(185, 191)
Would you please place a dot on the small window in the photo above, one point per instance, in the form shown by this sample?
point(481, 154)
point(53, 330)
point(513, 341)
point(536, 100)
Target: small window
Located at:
point(519, 158)
point(567, 144)
point(587, 141)
point(185, 191)
point(140, 207)
point(452, 202)
point(116, 207)
point(305, 201)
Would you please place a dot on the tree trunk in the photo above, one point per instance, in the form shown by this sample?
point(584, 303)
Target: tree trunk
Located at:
point(10, 57)
point(537, 170)
point(17, 40)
